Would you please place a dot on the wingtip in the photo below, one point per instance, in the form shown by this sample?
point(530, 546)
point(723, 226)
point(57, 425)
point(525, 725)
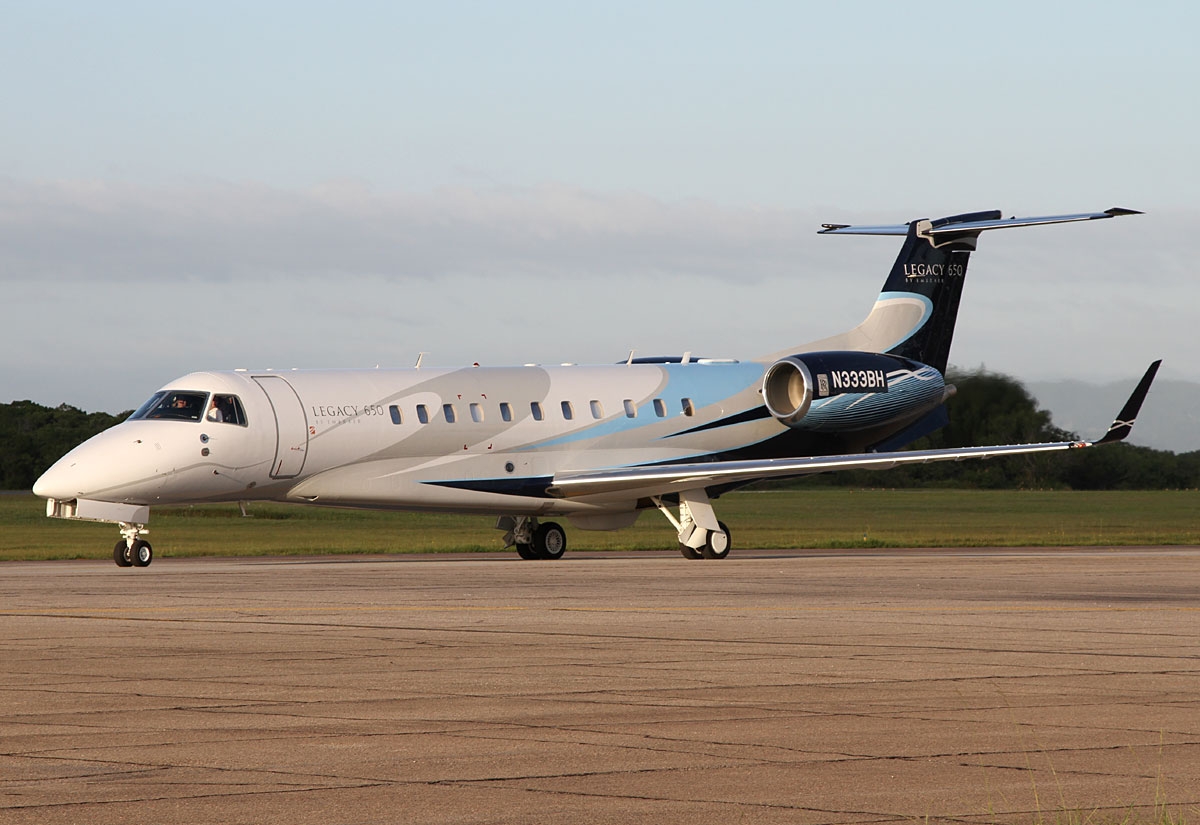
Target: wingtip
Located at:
point(1122, 426)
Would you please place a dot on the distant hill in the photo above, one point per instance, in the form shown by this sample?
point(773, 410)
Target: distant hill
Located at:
point(1170, 418)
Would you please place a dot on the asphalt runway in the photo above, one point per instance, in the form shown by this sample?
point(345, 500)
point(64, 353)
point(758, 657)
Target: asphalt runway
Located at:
point(791, 687)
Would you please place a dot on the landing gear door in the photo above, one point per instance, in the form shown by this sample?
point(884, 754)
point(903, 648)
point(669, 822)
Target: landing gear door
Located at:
point(291, 433)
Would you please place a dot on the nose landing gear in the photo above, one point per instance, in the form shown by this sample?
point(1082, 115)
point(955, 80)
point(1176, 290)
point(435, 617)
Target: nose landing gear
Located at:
point(132, 551)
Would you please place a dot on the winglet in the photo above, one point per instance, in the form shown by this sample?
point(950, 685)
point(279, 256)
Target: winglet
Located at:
point(1124, 422)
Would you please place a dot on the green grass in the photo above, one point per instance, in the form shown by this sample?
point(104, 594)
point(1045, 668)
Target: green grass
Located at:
point(817, 518)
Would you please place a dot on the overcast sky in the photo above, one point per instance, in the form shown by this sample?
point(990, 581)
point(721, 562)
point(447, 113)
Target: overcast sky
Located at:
point(221, 185)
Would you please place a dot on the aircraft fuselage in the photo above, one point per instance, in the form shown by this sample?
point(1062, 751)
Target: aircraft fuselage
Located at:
point(477, 439)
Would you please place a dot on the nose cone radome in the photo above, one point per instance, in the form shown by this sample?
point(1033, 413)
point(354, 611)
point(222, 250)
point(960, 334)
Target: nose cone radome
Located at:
point(97, 468)
point(55, 482)
point(75, 475)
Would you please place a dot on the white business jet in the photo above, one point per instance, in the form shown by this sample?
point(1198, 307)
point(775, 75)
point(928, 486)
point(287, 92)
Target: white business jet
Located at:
point(596, 445)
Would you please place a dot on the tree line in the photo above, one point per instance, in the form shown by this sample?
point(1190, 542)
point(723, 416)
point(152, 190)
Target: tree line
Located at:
point(33, 437)
point(990, 408)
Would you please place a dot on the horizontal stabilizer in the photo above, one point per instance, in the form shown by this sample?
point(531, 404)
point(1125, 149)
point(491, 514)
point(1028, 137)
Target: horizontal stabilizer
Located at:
point(973, 226)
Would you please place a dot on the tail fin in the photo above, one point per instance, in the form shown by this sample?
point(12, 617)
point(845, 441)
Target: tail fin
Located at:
point(933, 269)
point(915, 314)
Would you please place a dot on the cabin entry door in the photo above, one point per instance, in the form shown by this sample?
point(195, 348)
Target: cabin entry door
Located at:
point(291, 426)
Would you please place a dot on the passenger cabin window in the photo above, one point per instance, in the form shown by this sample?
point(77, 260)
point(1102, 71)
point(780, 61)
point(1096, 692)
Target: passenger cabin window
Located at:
point(226, 409)
point(448, 413)
point(597, 409)
point(178, 405)
point(568, 413)
point(630, 408)
point(397, 418)
point(660, 409)
point(535, 407)
point(688, 408)
point(505, 411)
point(422, 413)
point(477, 413)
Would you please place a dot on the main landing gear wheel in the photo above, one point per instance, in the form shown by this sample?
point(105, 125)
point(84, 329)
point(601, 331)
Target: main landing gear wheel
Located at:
point(122, 555)
point(717, 545)
point(694, 511)
point(549, 541)
point(531, 539)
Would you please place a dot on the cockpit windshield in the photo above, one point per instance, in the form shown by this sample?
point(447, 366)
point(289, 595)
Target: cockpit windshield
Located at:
point(180, 405)
point(141, 411)
point(191, 405)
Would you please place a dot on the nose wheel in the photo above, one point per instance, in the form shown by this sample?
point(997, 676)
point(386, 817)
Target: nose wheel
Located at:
point(131, 550)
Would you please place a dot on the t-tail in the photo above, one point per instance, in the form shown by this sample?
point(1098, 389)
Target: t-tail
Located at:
point(915, 314)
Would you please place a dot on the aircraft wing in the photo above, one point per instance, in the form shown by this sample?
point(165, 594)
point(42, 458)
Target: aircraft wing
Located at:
point(664, 479)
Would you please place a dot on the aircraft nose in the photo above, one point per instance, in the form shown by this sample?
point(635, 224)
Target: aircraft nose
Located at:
point(56, 482)
point(47, 485)
point(92, 467)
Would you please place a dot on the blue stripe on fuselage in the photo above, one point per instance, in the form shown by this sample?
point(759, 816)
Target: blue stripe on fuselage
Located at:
point(704, 384)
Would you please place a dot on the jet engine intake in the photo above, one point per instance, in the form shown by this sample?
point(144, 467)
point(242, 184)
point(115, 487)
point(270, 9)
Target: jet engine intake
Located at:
point(788, 389)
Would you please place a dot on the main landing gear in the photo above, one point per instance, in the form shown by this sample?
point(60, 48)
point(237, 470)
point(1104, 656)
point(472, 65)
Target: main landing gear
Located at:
point(532, 539)
point(131, 550)
point(701, 536)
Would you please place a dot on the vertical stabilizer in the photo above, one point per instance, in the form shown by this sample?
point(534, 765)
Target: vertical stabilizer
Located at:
point(932, 268)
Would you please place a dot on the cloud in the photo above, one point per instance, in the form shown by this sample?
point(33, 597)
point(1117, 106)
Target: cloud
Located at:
point(64, 231)
point(107, 280)
point(74, 230)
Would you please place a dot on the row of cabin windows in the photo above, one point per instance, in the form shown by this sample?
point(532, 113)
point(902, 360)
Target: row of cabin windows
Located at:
point(450, 412)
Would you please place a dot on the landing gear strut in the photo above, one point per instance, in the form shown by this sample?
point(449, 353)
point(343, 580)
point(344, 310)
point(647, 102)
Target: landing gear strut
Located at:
point(131, 550)
point(701, 536)
point(532, 539)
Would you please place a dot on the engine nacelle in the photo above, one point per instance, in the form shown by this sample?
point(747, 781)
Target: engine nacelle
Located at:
point(843, 391)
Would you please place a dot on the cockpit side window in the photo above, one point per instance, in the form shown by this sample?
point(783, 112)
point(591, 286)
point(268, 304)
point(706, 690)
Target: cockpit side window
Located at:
point(226, 409)
point(178, 405)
